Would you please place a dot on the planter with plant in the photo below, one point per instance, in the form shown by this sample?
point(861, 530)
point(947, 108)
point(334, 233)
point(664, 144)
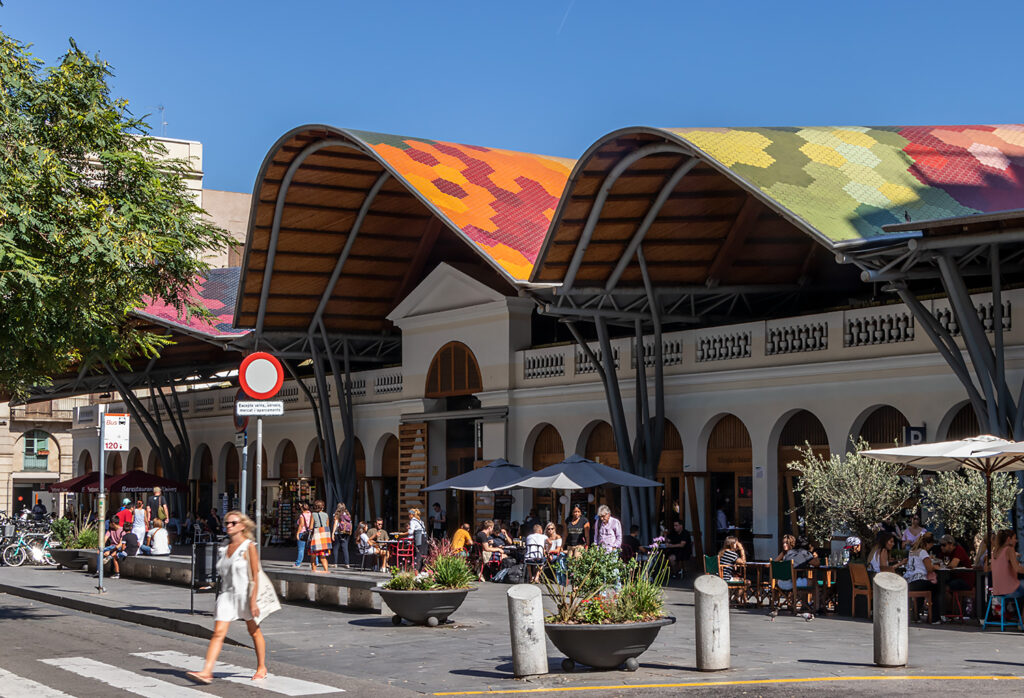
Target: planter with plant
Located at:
point(609, 612)
point(73, 542)
point(430, 596)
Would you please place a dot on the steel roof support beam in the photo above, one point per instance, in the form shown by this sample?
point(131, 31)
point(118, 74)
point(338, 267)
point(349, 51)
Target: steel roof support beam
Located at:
point(595, 210)
point(349, 242)
point(649, 218)
point(660, 291)
point(275, 228)
point(608, 313)
point(345, 475)
point(328, 450)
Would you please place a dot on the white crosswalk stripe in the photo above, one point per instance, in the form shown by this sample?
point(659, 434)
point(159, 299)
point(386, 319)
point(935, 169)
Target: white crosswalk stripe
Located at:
point(123, 679)
point(229, 672)
point(14, 686)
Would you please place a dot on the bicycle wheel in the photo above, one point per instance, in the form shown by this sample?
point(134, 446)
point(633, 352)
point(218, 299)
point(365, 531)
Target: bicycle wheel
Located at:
point(48, 558)
point(14, 555)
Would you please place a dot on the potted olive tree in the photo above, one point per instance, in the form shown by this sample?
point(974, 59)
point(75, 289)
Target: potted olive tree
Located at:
point(430, 596)
point(608, 612)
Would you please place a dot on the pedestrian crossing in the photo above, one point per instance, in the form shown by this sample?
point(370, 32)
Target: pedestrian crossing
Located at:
point(141, 681)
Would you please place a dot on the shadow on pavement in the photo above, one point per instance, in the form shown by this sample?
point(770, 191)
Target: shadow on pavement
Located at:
point(831, 662)
point(994, 661)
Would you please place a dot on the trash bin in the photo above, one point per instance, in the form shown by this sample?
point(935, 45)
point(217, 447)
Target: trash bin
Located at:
point(204, 564)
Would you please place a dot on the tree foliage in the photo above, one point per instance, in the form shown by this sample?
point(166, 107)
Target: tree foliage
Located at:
point(95, 219)
point(958, 500)
point(849, 492)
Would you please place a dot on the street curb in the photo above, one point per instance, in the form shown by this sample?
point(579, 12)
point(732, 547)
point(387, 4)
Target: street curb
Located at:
point(173, 625)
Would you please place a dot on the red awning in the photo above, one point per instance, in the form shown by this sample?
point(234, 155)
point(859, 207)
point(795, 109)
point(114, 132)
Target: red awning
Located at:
point(77, 484)
point(137, 481)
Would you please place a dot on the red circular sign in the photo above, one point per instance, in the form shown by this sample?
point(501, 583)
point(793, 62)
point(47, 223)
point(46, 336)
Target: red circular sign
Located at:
point(261, 375)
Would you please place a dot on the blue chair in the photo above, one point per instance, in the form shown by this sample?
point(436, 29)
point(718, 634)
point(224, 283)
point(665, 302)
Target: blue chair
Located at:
point(1002, 613)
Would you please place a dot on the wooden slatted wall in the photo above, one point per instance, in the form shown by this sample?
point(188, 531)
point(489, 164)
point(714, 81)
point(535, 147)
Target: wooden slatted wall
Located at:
point(412, 467)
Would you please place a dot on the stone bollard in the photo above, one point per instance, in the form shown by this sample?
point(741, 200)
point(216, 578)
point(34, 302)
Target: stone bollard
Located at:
point(711, 612)
point(890, 619)
point(526, 625)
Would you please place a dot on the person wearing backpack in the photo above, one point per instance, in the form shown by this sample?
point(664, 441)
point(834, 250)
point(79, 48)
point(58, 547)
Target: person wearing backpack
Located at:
point(341, 533)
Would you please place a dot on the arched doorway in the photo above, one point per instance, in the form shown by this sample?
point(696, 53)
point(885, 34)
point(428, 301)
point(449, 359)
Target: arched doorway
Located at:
point(389, 469)
point(670, 498)
point(114, 466)
point(731, 480)
point(292, 490)
point(600, 448)
point(85, 463)
point(883, 428)
point(801, 429)
point(963, 425)
point(547, 450)
point(134, 460)
point(203, 486)
point(155, 466)
point(360, 505)
point(232, 476)
point(453, 372)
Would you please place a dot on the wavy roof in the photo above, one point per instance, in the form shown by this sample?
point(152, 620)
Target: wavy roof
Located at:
point(846, 182)
point(502, 200)
point(216, 292)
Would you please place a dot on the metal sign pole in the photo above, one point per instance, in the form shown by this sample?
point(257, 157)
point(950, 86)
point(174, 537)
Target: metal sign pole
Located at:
point(101, 410)
point(259, 481)
point(243, 492)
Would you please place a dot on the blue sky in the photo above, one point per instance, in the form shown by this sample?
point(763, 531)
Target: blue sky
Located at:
point(548, 77)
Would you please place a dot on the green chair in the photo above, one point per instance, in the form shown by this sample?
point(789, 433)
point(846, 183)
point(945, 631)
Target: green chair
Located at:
point(783, 572)
point(711, 565)
point(738, 585)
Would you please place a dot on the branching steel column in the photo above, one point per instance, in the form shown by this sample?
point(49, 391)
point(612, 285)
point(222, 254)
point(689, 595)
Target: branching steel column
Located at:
point(345, 475)
point(329, 456)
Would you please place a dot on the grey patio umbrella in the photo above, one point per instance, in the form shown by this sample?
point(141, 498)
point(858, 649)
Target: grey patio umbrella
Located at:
point(494, 476)
point(986, 454)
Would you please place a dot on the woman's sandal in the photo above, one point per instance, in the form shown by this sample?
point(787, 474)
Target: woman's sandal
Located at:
point(198, 678)
point(257, 677)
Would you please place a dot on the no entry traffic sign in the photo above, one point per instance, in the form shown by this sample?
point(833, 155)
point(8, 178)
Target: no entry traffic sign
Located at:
point(261, 375)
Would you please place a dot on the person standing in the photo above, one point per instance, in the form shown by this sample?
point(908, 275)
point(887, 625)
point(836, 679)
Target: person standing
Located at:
point(913, 532)
point(213, 523)
point(341, 533)
point(438, 523)
point(319, 537)
point(239, 563)
point(302, 530)
point(609, 531)
point(577, 532)
point(124, 516)
point(418, 534)
point(156, 507)
point(139, 521)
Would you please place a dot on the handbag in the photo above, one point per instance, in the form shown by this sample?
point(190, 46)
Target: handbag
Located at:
point(304, 533)
point(320, 539)
point(266, 598)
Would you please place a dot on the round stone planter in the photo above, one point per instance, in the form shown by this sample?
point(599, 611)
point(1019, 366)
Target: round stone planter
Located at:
point(604, 646)
point(423, 607)
point(71, 558)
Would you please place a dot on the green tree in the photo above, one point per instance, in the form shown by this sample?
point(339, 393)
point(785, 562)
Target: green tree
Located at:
point(94, 220)
point(958, 501)
point(849, 492)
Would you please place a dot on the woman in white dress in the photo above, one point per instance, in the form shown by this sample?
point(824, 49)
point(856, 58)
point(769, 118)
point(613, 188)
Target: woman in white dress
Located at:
point(238, 564)
point(139, 521)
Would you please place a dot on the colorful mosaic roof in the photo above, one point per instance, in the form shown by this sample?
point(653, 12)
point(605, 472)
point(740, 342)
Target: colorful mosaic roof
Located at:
point(216, 292)
point(503, 201)
point(848, 181)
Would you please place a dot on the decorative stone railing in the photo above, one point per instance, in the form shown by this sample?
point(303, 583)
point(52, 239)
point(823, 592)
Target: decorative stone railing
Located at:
point(388, 383)
point(721, 347)
point(584, 365)
point(986, 313)
point(544, 364)
point(358, 387)
point(795, 338)
point(204, 404)
point(671, 352)
point(880, 328)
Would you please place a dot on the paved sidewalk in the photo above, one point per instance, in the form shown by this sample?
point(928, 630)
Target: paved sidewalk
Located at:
point(473, 652)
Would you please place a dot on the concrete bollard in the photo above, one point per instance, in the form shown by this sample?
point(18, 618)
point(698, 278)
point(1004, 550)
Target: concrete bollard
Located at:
point(890, 619)
point(711, 613)
point(526, 625)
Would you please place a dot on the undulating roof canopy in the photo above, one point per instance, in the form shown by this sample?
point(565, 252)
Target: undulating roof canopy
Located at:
point(456, 203)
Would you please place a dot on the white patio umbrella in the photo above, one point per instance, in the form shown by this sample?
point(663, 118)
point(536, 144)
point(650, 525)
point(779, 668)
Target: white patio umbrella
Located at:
point(986, 454)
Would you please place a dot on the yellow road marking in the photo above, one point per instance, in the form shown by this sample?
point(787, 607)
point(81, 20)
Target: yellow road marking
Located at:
point(748, 682)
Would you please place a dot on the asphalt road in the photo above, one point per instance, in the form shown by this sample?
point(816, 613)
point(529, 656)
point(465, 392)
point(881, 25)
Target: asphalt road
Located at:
point(51, 652)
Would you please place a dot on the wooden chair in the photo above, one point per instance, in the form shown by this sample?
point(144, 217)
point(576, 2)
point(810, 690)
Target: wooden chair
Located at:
point(914, 596)
point(783, 572)
point(861, 583)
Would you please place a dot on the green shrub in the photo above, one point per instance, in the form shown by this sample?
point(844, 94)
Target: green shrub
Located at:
point(87, 537)
point(595, 570)
point(62, 530)
point(589, 596)
point(452, 572)
point(642, 594)
point(408, 581)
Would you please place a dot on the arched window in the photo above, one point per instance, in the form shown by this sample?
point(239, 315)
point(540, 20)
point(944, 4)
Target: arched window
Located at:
point(37, 450)
point(453, 372)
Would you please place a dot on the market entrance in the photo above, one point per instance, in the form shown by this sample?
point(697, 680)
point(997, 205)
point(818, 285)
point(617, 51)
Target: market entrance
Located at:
point(731, 479)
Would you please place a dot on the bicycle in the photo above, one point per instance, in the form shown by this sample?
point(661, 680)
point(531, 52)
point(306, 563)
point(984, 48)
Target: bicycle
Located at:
point(21, 550)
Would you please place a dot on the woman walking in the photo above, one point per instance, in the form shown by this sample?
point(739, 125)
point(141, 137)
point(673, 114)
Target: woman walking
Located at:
point(319, 537)
point(239, 563)
point(139, 521)
point(578, 536)
point(302, 531)
point(342, 533)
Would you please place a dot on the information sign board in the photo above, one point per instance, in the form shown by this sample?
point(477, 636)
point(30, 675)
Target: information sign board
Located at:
point(116, 428)
point(259, 408)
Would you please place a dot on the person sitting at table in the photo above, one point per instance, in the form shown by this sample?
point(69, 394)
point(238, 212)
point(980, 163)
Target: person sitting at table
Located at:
point(461, 540)
point(632, 542)
point(788, 543)
point(553, 551)
point(535, 554)
point(802, 556)
point(914, 531)
point(381, 536)
point(1006, 566)
point(678, 545)
point(731, 554)
point(491, 551)
point(367, 546)
point(881, 559)
point(853, 548)
point(920, 574)
point(955, 556)
point(981, 556)
point(502, 533)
